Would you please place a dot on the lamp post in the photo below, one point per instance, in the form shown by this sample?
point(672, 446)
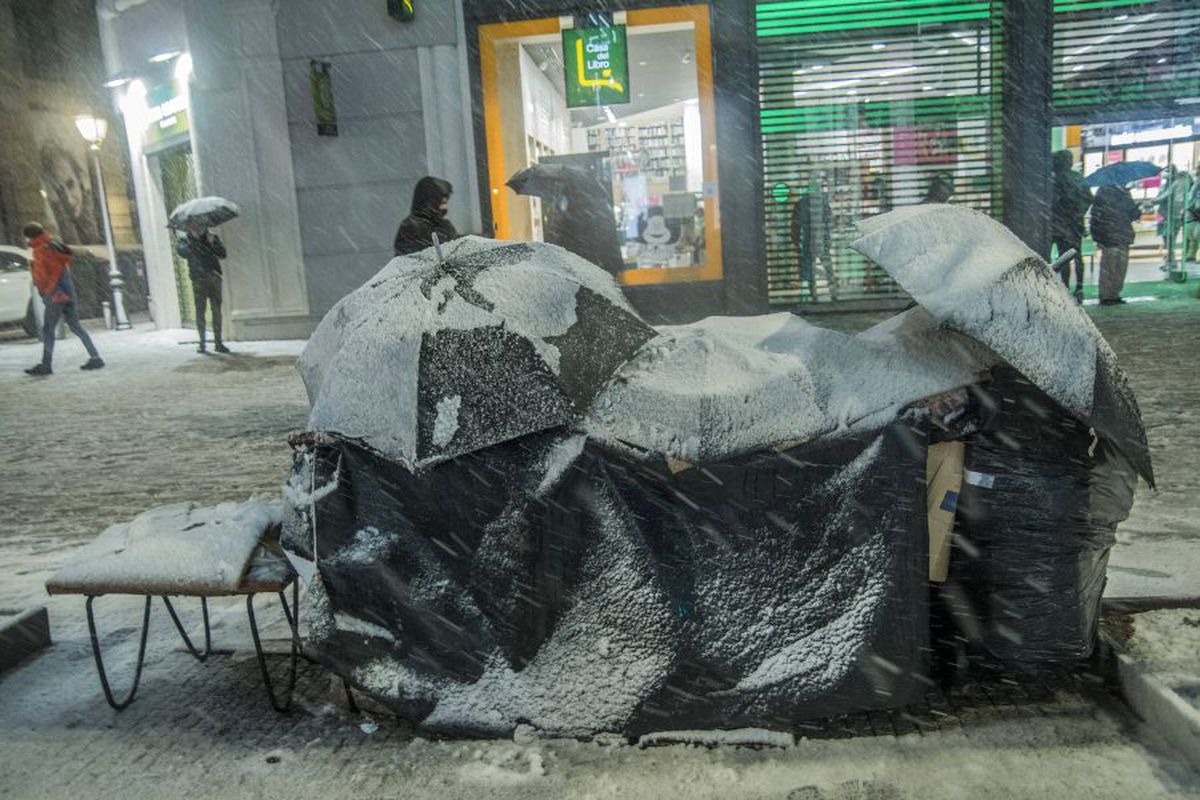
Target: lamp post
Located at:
point(93, 130)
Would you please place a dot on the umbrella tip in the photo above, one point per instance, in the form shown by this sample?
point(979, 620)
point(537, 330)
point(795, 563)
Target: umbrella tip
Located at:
point(437, 245)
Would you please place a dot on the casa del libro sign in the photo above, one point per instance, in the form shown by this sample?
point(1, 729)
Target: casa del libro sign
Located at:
point(596, 66)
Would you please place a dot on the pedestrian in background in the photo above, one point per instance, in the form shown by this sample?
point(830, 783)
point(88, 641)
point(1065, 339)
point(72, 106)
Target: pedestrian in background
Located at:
point(1172, 203)
point(204, 250)
point(1071, 198)
point(1113, 214)
point(1191, 225)
point(426, 216)
point(52, 278)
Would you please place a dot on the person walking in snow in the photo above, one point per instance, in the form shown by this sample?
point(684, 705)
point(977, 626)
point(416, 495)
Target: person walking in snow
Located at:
point(1113, 213)
point(427, 216)
point(203, 251)
point(51, 274)
point(1070, 203)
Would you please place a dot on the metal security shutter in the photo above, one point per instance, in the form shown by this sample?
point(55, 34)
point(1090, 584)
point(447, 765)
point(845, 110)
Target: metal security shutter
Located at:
point(1126, 59)
point(866, 103)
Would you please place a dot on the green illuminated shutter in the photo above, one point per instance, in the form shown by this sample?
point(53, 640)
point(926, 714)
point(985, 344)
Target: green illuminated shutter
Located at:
point(1126, 59)
point(874, 98)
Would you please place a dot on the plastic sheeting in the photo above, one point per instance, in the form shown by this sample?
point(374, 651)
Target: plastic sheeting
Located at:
point(579, 591)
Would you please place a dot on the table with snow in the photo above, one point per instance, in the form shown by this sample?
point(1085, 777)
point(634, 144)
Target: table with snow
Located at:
point(187, 550)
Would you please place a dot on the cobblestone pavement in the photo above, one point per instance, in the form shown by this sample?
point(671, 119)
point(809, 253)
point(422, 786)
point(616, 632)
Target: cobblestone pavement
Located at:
point(162, 424)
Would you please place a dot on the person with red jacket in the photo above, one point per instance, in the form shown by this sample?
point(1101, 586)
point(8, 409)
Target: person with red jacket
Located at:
point(52, 278)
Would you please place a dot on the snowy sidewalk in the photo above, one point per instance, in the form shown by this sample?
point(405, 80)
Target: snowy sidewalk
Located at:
point(163, 424)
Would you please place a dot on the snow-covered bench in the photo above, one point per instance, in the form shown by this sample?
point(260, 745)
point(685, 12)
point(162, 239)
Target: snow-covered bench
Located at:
point(187, 550)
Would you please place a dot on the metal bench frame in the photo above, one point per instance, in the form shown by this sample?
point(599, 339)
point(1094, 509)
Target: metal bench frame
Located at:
point(291, 612)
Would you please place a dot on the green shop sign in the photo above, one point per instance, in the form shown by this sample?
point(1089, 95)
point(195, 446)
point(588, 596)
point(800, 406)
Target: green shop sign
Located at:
point(597, 66)
point(167, 112)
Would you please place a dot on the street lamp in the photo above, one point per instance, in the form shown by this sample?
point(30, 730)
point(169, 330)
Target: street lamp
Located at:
point(93, 130)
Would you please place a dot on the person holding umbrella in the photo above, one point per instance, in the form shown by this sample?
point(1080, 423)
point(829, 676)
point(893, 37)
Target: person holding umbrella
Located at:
point(203, 251)
point(1113, 214)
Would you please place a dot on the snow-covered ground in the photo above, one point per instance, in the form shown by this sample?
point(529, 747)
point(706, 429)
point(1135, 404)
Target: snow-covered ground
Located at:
point(163, 424)
point(1167, 642)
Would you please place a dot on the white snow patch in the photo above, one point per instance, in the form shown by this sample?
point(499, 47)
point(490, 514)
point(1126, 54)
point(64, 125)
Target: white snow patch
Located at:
point(445, 425)
point(174, 549)
point(558, 460)
point(1167, 642)
point(352, 624)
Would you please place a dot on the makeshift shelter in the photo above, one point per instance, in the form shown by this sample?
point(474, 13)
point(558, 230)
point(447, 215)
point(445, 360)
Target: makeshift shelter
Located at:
point(721, 524)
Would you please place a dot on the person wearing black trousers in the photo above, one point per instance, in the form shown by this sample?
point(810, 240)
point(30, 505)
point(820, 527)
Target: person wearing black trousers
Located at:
point(203, 251)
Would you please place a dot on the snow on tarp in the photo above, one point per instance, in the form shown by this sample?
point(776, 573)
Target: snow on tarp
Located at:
point(433, 359)
point(730, 385)
point(184, 548)
point(974, 276)
point(623, 598)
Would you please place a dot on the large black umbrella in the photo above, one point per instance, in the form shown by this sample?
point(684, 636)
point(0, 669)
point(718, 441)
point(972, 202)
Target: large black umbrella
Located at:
point(975, 277)
point(434, 358)
point(207, 211)
point(579, 211)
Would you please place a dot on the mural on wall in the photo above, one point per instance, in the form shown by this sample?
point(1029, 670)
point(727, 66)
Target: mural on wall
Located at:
point(65, 167)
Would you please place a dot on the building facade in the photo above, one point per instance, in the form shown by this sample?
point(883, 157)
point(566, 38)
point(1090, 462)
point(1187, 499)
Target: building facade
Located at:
point(51, 70)
point(736, 142)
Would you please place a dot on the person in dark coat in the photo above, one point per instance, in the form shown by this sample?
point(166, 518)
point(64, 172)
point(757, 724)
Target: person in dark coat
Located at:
point(203, 251)
point(812, 233)
point(430, 204)
point(1070, 200)
point(1113, 214)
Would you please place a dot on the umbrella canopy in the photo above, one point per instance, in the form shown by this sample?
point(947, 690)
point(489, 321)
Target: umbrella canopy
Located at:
point(973, 276)
point(433, 358)
point(1121, 173)
point(206, 211)
point(579, 211)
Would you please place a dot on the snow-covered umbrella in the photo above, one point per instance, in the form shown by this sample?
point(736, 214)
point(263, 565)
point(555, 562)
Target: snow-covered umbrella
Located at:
point(973, 276)
point(206, 211)
point(434, 358)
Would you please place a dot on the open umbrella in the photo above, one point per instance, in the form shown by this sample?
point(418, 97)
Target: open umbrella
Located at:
point(579, 212)
point(438, 357)
point(206, 211)
point(973, 276)
point(1121, 173)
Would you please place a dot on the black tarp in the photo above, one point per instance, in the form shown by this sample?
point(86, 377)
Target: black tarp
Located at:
point(759, 591)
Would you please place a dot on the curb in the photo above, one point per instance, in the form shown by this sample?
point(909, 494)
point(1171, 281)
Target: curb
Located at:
point(1158, 705)
point(23, 635)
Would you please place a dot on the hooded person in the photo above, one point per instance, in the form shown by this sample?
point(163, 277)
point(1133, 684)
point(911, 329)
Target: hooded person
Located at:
point(430, 204)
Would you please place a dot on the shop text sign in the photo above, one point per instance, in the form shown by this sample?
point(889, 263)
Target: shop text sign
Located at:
point(167, 112)
point(597, 66)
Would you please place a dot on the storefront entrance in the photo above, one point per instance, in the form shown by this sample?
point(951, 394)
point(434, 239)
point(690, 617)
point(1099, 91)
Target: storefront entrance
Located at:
point(175, 170)
point(647, 137)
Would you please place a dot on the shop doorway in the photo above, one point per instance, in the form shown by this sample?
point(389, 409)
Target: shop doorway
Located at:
point(1167, 234)
point(652, 149)
point(176, 171)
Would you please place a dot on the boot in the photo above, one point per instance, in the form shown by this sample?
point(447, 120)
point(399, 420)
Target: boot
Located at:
point(40, 369)
point(220, 347)
point(94, 363)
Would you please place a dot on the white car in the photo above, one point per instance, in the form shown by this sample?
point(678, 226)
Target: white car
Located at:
point(16, 290)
